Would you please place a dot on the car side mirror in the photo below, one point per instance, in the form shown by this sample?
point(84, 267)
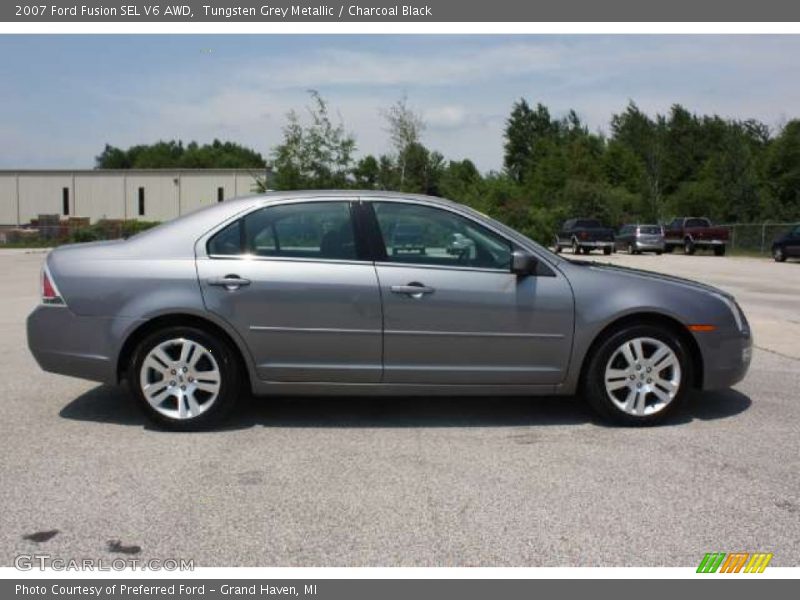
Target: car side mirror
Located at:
point(523, 263)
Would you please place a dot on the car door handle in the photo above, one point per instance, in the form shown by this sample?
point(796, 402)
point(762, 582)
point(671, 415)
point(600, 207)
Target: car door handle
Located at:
point(413, 289)
point(229, 282)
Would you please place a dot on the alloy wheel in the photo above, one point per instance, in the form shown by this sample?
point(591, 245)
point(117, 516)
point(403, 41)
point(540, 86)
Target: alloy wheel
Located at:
point(180, 378)
point(643, 376)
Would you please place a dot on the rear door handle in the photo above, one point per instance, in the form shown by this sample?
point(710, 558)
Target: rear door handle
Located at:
point(229, 282)
point(413, 289)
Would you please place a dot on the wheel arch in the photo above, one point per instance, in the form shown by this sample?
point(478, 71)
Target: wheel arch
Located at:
point(187, 320)
point(653, 319)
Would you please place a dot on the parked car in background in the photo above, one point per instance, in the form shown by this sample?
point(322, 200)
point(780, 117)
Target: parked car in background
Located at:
point(584, 235)
point(636, 239)
point(301, 293)
point(691, 233)
point(787, 246)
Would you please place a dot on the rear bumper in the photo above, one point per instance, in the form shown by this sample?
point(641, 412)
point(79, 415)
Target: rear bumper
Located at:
point(85, 347)
point(650, 246)
point(594, 244)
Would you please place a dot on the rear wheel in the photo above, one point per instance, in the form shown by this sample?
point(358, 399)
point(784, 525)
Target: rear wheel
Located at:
point(719, 251)
point(586, 250)
point(638, 375)
point(778, 254)
point(607, 250)
point(688, 247)
point(184, 378)
point(668, 249)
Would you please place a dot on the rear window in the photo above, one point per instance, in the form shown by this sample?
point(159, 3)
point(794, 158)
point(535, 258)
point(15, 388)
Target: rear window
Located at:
point(589, 224)
point(649, 229)
point(697, 223)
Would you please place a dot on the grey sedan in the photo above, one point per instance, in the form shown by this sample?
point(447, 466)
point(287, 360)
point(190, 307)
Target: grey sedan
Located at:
point(303, 293)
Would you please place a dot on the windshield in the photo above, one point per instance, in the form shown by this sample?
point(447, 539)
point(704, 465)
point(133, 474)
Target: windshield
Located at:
point(697, 223)
point(588, 224)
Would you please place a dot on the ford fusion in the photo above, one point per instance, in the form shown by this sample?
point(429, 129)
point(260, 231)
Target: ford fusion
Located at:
point(326, 293)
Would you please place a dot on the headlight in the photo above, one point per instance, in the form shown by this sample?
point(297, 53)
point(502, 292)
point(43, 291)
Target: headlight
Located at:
point(738, 315)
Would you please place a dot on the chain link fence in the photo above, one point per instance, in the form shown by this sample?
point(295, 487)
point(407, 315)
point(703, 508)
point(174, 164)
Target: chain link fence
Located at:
point(755, 238)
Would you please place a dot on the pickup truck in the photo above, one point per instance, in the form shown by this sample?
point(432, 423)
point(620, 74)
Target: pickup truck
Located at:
point(692, 233)
point(584, 235)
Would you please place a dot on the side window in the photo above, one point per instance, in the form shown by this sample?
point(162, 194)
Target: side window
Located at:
point(417, 234)
point(304, 230)
point(227, 242)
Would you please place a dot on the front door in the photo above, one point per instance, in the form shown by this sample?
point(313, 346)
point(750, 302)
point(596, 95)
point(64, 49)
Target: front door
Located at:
point(453, 311)
point(291, 279)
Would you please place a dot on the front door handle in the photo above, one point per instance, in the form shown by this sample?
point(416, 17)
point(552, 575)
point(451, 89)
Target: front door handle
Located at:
point(413, 289)
point(229, 282)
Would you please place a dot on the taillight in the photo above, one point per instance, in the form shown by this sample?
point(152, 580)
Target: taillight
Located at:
point(50, 294)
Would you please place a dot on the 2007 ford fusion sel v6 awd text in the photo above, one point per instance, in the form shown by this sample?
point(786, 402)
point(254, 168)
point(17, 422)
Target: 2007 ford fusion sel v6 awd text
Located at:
point(373, 293)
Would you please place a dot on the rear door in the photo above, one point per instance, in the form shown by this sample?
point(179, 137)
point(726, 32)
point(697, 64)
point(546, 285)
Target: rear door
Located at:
point(294, 281)
point(453, 311)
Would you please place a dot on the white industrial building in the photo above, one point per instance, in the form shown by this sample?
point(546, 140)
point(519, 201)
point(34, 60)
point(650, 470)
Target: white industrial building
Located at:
point(144, 194)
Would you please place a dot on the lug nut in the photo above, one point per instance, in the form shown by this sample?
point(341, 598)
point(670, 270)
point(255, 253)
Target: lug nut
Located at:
point(191, 379)
point(638, 367)
point(633, 377)
point(183, 387)
point(638, 385)
point(173, 371)
point(649, 380)
point(171, 384)
point(185, 369)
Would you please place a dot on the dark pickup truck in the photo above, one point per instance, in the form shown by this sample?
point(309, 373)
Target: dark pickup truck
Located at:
point(584, 235)
point(691, 233)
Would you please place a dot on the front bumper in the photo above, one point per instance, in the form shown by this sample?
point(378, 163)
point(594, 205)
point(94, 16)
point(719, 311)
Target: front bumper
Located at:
point(726, 357)
point(65, 343)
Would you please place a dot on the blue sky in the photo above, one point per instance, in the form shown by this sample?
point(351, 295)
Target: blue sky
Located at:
point(63, 97)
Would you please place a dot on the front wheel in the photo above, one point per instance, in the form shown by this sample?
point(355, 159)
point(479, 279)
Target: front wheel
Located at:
point(185, 378)
point(719, 251)
point(688, 247)
point(638, 375)
point(778, 255)
point(607, 251)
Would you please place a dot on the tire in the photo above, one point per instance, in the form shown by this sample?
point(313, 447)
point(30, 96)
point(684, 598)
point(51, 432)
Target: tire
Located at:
point(668, 249)
point(607, 251)
point(689, 247)
point(158, 359)
point(658, 252)
point(557, 248)
point(609, 354)
point(586, 250)
point(719, 251)
point(778, 254)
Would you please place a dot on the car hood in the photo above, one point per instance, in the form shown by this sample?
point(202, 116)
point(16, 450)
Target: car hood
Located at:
point(650, 275)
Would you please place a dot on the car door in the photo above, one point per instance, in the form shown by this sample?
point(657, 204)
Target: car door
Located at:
point(293, 280)
point(454, 313)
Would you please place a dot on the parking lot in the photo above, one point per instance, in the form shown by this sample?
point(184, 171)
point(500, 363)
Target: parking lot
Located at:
point(409, 482)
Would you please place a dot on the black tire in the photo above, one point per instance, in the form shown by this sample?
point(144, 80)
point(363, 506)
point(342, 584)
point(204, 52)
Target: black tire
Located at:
point(586, 250)
point(557, 248)
point(593, 387)
point(230, 369)
point(689, 247)
point(668, 249)
point(658, 252)
point(607, 251)
point(719, 251)
point(778, 254)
